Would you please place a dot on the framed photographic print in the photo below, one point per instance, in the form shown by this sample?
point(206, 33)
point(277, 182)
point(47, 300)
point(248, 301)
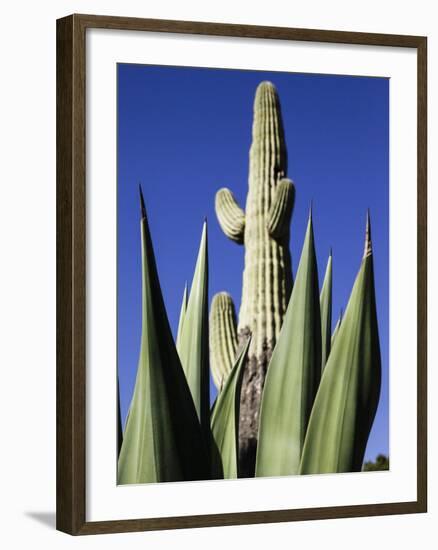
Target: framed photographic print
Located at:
point(241, 274)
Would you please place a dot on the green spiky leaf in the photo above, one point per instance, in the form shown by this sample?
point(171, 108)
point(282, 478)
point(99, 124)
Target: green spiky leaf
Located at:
point(119, 421)
point(336, 329)
point(326, 313)
point(293, 373)
point(193, 344)
point(182, 315)
point(225, 420)
point(348, 395)
point(163, 439)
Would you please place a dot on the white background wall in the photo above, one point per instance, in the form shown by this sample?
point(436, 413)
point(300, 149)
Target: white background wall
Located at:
point(27, 272)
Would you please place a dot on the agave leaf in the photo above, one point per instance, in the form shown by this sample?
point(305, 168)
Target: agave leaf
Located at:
point(127, 417)
point(163, 439)
point(182, 316)
point(326, 312)
point(221, 387)
point(225, 421)
point(293, 373)
point(336, 329)
point(348, 395)
point(193, 344)
point(119, 421)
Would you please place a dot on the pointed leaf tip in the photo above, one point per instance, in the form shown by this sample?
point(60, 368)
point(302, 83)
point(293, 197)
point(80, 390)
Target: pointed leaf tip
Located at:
point(347, 399)
point(368, 249)
point(142, 206)
point(225, 421)
point(193, 342)
point(162, 427)
point(204, 233)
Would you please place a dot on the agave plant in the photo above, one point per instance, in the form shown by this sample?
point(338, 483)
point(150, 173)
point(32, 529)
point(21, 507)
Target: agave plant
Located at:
point(347, 399)
point(323, 429)
point(163, 439)
point(293, 397)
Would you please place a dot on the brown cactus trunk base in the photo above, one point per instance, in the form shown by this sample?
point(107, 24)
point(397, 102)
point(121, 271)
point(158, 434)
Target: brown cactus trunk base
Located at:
point(250, 400)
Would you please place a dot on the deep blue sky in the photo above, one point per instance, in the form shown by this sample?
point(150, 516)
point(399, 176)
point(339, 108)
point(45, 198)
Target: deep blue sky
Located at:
point(186, 132)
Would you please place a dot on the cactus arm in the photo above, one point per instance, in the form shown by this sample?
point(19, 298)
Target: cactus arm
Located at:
point(230, 216)
point(281, 209)
point(223, 337)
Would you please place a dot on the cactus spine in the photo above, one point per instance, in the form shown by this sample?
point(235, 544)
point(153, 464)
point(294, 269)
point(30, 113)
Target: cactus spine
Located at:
point(267, 276)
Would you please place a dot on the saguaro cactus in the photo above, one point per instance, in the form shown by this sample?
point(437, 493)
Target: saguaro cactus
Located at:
point(267, 278)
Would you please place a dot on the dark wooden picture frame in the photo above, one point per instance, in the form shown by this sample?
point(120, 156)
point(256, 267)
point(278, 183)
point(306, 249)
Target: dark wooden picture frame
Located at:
point(71, 274)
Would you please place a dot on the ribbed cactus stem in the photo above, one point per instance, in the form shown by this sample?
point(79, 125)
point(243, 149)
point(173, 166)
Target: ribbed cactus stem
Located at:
point(223, 337)
point(267, 276)
point(281, 209)
point(267, 279)
point(230, 216)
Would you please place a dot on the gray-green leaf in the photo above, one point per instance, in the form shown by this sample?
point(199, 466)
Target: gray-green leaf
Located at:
point(348, 395)
point(293, 373)
point(336, 330)
point(193, 343)
point(326, 313)
point(225, 420)
point(182, 315)
point(163, 439)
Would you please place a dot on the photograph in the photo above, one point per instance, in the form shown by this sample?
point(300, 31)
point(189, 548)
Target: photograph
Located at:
point(218, 275)
point(252, 274)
